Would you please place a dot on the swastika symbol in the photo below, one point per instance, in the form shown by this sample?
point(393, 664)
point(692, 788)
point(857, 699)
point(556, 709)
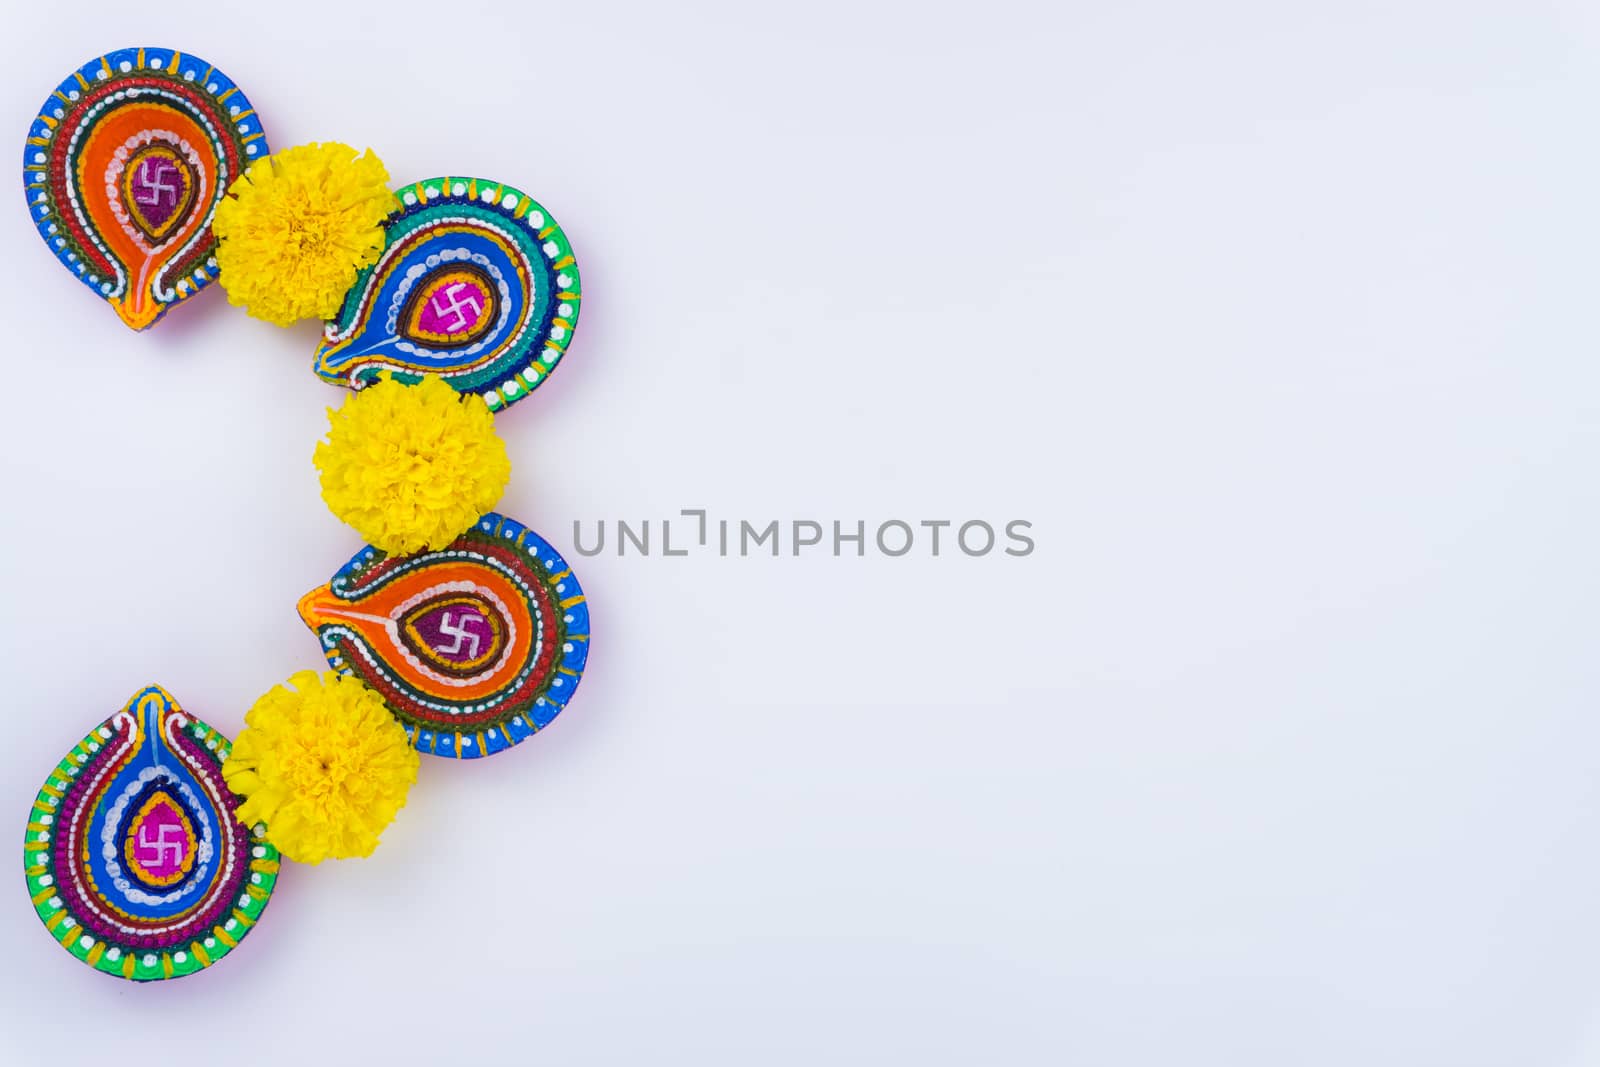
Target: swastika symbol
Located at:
point(165, 843)
point(458, 307)
point(460, 632)
point(156, 190)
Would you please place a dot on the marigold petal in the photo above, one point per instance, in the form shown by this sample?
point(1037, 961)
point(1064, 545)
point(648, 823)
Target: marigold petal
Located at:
point(411, 467)
point(323, 764)
point(297, 227)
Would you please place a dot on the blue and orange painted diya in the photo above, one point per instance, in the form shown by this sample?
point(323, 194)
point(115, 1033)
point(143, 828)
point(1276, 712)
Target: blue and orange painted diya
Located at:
point(476, 283)
point(124, 168)
point(133, 856)
point(474, 647)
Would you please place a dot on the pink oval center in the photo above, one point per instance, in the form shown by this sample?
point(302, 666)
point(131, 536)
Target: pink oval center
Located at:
point(455, 307)
point(161, 839)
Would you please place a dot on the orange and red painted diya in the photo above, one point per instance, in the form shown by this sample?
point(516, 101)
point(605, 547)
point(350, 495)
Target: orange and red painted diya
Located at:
point(474, 647)
point(124, 168)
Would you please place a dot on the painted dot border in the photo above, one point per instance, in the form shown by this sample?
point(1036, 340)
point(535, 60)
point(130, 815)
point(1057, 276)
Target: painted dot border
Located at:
point(574, 605)
point(553, 244)
point(190, 68)
point(150, 966)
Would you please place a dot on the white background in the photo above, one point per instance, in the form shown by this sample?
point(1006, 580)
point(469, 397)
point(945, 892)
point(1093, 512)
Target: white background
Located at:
point(1276, 320)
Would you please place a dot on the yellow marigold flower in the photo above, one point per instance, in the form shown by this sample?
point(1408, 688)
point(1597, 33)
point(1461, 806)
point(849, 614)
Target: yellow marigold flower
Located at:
point(411, 466)
point(324, 765)
point(297, 227)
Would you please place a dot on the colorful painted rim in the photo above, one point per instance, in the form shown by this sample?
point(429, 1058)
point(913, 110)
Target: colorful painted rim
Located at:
point(501, 720)
point(237, 915)
point(195, 73)
point(365, 340)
